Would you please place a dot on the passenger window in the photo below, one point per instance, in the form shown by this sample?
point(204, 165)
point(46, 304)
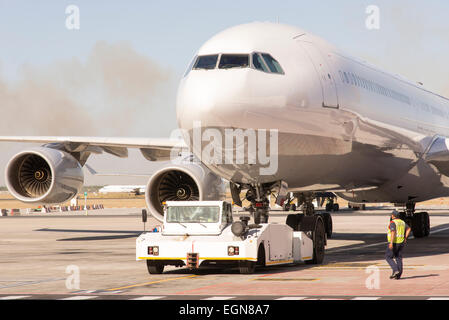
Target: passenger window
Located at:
point(258, 63)
point(353, 79)
point(206, 62)
point(364, 83)
point(272, 64)
point(228, 61)
point(341, 76)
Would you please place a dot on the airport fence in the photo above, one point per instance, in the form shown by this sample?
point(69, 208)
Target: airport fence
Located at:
point(50, 209)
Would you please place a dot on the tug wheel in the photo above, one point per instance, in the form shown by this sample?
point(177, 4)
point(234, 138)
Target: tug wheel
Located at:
point(319, 241)
point(155, 268)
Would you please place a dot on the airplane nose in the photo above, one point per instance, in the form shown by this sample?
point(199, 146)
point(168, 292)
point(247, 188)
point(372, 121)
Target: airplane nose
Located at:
point(212, 97)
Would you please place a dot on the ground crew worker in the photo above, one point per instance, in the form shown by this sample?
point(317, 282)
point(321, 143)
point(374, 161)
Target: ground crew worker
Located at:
point(398, 232)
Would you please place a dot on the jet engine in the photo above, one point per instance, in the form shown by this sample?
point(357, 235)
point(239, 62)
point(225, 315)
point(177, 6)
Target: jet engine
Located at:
point(44, 175)
point(183, 182)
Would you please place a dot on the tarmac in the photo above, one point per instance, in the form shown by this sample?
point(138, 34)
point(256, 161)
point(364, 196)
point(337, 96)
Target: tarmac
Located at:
point(72, 255)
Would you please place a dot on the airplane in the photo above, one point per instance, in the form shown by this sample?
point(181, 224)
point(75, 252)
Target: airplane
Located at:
point(331, 123)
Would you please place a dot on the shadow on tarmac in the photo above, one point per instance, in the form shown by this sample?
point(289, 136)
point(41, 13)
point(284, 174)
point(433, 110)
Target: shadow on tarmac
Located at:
point(117, 234)
point(355, 255)
point(422, 276)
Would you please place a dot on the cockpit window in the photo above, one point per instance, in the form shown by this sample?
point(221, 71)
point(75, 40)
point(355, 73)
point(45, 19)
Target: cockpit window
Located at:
point(206, 62)
point(258, 63)
point(274, 66)
point(228, 61)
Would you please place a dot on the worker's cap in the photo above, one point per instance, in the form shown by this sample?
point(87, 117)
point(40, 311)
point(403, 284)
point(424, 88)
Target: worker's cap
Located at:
point(395, 213)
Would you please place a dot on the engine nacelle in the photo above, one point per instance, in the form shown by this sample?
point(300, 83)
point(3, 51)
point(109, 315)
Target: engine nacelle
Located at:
point(44, 175)
point(184, 182)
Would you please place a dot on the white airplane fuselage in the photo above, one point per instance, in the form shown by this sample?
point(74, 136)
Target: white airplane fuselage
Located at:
point(342, 125)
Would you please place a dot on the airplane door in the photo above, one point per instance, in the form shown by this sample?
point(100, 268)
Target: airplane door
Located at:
point(328, 86)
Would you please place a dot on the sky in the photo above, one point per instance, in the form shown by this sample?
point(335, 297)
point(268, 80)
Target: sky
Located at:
point(117, 75)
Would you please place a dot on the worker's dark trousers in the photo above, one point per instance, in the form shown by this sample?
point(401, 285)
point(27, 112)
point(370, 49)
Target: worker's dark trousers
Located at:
point(395, 254)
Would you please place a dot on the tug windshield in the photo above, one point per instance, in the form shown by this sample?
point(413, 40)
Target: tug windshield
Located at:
point(194, 214)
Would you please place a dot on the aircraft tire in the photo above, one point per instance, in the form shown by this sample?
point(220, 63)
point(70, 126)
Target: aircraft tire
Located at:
point(427, 224)
point(419, 224)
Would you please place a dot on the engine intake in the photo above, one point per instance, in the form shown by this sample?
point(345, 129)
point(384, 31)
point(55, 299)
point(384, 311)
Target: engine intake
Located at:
point(44, 175)
point(187, 182)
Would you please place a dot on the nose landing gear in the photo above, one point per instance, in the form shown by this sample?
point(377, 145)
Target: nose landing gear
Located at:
point(258, 196)
point(260, 205)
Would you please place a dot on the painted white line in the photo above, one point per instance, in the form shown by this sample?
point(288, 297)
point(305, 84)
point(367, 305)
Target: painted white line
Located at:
point(382, 243)
point(439, 230)
point(366, 298)
point(439, 298)
point(360, 247)
point(218, 298)
point(13, 297)
point(79, 298)
point(148, 298)
point(291, 298)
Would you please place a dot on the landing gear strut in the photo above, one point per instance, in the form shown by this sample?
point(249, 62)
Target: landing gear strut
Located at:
point(307, 205)
point(258, 196)
point(288, 204)
point(418, 221)
point(316, 226)
point(260, 205)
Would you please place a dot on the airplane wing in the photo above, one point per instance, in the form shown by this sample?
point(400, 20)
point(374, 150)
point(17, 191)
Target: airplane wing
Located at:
point(153, 149)
point(438, 154)
point(93, 172)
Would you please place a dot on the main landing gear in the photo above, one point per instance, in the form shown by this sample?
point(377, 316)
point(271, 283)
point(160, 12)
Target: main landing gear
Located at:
point(418, 221)
point(305, 199)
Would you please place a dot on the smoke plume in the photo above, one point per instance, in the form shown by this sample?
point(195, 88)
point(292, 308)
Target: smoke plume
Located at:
point(108, 94)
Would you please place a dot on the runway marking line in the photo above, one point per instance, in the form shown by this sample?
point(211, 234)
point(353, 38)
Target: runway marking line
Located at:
point(79, 298)
point(151, 282)
point(219, 298)
point(148, 298)
point(381, 243)
point(439, 230)
point(13, 297)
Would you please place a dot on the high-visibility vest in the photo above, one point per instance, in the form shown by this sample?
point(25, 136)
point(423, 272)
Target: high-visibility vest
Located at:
point(400, 231)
